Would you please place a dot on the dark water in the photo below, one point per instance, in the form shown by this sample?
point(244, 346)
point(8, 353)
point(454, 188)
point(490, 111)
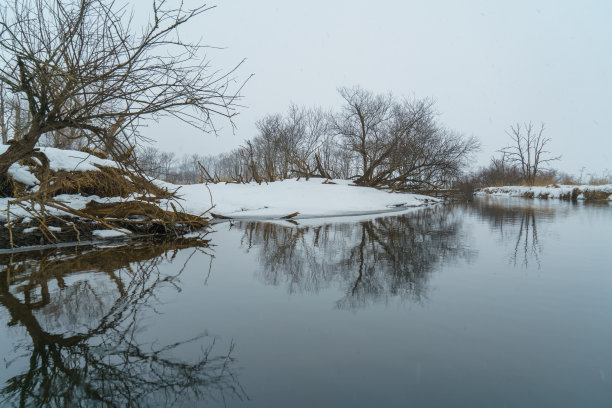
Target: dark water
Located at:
point(498, 303)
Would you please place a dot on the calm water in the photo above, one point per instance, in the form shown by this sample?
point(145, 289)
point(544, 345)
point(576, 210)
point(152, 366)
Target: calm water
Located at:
point(498, 303)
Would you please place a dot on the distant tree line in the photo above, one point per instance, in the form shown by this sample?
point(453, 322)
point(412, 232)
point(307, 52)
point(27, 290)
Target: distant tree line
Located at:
point(526, 161)
point(373, 139)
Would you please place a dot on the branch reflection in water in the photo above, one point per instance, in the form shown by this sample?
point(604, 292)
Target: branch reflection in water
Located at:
point(82, 310)
point(372, 260)
point(517, 223)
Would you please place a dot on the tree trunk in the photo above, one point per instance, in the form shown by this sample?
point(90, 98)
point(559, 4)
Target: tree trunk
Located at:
point(3, 119)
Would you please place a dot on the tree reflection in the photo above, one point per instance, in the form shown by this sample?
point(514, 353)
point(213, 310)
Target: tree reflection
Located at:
point(83, 340)
point(517, 223)
point(371, 260)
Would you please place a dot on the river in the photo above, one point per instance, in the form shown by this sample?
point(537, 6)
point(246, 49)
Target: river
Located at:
point(499, 302)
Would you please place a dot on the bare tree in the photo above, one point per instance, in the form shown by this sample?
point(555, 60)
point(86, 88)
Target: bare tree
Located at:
point(376, 140)
point(399, 144)
point(362, 123)
point(527, 150)
point(80, 64)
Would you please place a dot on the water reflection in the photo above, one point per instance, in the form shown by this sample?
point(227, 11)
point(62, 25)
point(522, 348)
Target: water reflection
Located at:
point(372, 260)
point(517, 221)
point(82, 313)
point(78, 317)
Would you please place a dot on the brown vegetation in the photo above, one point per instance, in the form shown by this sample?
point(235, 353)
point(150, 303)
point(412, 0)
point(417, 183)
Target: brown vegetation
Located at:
point(528, 194)
point(588, 194)
point(75, 74)
point(55, 221)
point(596, 195)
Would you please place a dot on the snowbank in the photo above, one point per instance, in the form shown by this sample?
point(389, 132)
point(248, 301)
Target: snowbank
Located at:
point(566, 192)
point(310, 198)
point(69, 160)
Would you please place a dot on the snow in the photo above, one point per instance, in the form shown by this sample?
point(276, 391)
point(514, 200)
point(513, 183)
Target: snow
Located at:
point(22, 174)
point(310, 198)
point(32, 229)
point(105, 234)
point(551, 191)
point(69, 160)
point(72, 160)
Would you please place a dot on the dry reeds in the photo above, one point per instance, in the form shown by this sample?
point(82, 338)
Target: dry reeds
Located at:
point(139, 215)
point(596, 195)
point(106, 182)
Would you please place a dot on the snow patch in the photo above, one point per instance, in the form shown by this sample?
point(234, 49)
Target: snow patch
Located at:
point(69, 160)
point(551, 191)
point(310, 198)
point(104, 234)
point(22, 174)
point(72, 160)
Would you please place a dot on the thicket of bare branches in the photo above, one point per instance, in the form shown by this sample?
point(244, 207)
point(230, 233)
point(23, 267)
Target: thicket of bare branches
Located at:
point(499, 172)
point(80, 68)
point(375, 140)
point(399, 144)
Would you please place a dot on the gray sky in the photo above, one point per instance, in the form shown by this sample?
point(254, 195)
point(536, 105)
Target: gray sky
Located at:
point(488, 65)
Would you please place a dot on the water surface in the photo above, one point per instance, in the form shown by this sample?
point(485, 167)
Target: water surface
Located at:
point(499, 302)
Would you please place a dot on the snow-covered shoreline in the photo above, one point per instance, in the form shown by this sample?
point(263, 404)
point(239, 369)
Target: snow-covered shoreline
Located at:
point(314, 198)
point(295, 199)
point(564, 192)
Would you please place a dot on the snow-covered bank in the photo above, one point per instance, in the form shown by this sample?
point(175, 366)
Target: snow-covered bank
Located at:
point(310, 198)
point(68, 160)
point(565, 192)
point(314, 198)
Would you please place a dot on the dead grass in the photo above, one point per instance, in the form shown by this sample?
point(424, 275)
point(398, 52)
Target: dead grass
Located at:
point(589, 195)
point(141, 215)
point(596, 195)
point(599, 181)
point(107, 182)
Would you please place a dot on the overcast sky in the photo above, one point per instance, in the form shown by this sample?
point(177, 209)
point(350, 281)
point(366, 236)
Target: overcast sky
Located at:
point(488, 65)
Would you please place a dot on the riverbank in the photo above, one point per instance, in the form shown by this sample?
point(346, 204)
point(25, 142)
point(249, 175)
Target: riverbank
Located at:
point(553, 191)
point(297, 199)
point(77, 196)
